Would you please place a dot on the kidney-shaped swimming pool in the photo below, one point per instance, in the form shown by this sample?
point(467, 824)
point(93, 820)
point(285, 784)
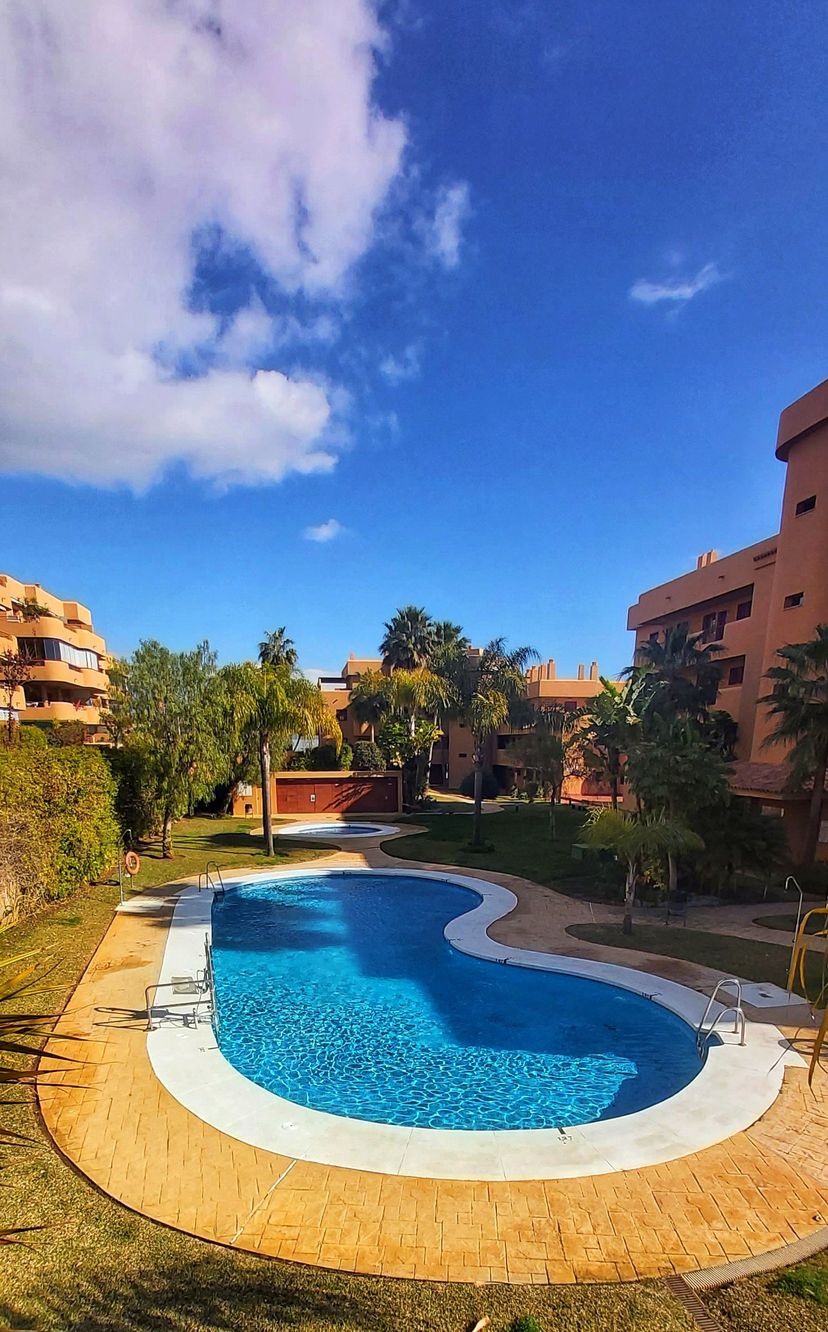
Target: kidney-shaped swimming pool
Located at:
point(339, 992)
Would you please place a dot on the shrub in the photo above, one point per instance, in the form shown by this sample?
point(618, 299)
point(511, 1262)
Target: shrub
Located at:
point(57, 824)
point(367, 757)
point(137, 810)
point(67, 733)
point(490, 788)
point(346, 757)
point(31, 737)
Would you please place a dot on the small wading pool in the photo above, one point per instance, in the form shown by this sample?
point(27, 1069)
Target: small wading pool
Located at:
point(336, 828)
point(338, 991)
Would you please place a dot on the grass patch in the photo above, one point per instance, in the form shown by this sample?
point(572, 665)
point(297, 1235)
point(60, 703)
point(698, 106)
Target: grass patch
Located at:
point(749, 958)
point(796, 1298)
point(787, 922)
point(517, 842)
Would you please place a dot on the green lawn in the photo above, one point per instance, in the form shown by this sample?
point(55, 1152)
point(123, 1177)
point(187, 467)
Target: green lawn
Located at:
point(521, 845)
point(230, 842)
point(749, 958)
point(796, 1298)
point(787, 922)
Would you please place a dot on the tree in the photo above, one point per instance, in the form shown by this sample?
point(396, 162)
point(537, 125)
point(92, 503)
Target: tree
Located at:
point(480, 692)
point(632, 838)
point(610, 721)
point(277, 707)
point(409, 639)
point(276, 649)
point(675, 773)
point(798, 703)
point(14, 672)
point(403, 745)
point(678, 674)
point(167, 703)
point(371, 699)
point(368, 757)
point(548, 749)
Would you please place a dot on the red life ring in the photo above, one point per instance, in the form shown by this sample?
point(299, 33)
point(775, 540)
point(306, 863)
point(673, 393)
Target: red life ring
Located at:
point(132, 863)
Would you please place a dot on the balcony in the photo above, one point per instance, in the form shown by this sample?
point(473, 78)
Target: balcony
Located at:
point(741, 637)
point(60, 672)
point(58, 712)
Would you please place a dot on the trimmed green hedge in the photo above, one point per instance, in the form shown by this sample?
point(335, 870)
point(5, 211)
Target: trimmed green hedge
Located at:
point(57, 824)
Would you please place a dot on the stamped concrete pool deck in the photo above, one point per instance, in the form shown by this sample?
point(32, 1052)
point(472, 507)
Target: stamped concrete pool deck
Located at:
point(751, 1194)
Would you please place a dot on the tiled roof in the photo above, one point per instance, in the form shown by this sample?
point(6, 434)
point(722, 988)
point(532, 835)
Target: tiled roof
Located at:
point(771, 778)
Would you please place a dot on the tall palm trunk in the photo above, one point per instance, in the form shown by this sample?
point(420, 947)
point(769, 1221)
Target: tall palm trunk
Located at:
point(264, 764)
point(815, 810)
point(477, 817)
point(166, 834)
point(629, 896)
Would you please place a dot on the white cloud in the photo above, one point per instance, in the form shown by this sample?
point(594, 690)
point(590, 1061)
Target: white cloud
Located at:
point(328, 531)
point(397, 369)
point(444, 232)
point(124, 129)
point(676, 289)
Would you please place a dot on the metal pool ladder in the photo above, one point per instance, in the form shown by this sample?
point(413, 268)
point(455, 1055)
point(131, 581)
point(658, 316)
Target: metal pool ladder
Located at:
point(206, 880)
point(703, 1033)
point(198, 987)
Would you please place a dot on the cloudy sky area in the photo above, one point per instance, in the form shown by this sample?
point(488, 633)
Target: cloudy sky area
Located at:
point(314, 307)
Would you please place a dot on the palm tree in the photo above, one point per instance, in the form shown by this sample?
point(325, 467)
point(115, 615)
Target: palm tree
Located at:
point(611, 719)
point(481, 690)
point(371, 699)
point(799, 703)
point(632, 838)
point(276, 649)
point(409, 639)
point(678, 674)
point(278, 705)
point(547, 749)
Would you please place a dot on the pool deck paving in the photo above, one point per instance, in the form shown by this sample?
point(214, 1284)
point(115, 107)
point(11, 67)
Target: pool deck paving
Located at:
point(107, 1113)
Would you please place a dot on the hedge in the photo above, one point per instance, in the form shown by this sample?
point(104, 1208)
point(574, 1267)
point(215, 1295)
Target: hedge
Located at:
point(57, 824)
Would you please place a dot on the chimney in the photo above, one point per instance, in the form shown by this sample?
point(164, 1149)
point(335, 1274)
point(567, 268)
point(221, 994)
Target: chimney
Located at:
point(552, 669)
point(700, 562)
point(593, 670)
point(580, 670)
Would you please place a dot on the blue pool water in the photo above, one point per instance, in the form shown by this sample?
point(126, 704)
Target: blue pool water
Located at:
point(339, 829)
point(339, 992)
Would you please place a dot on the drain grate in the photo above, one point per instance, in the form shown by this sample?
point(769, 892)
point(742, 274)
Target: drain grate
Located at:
point(691, 1302)
point(711, 1277)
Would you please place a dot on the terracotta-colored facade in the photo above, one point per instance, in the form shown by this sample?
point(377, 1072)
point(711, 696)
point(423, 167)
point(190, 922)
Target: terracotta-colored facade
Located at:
point(452, 757)
point(757, 600)
point(324, 793)
point(67, 672)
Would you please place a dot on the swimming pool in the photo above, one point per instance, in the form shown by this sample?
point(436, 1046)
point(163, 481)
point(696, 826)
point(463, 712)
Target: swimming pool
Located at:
point(338, 991)
point(336, 828)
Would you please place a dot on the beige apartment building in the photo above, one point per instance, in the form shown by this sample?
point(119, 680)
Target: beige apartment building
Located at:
point(66, 658)
point(452, 758)
point(757, 600)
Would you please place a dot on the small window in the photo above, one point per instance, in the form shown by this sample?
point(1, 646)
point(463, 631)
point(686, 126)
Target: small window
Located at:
point(654, 637)
point(736, 674)
point(795, 599)
point(462, 756)
point(743, 610)
point(805, 506)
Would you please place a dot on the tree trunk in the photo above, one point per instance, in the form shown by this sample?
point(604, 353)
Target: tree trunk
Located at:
point(477, 826)
point(614, 789)
point(264, 764)
point(166, 834)
point(815, 811)
point(373, 736)
point(672, 873)
point(629, 897)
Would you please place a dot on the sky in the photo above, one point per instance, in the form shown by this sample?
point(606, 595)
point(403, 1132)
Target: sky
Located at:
point(310, 309)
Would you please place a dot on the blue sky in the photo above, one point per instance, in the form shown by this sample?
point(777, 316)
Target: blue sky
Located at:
point(534, 286)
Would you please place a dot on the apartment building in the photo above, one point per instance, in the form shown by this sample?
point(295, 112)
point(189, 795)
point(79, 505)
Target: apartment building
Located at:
point(758, 599)
point(452, 757)
point(66, 658)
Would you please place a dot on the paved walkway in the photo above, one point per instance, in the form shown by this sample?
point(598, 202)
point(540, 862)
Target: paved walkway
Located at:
point(108, 1113)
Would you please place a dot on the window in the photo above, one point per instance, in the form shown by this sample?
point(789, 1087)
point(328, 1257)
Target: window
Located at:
point(743, 610)
point(795, 599)
point(736, 674)
point(54, 649)
point(654, 637)
point(462, 756)
point(713, 626)
point(805, 506)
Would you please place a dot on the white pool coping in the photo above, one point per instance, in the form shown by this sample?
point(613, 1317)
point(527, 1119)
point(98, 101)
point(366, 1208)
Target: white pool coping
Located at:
point(338, 830)
point(736, 1085)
